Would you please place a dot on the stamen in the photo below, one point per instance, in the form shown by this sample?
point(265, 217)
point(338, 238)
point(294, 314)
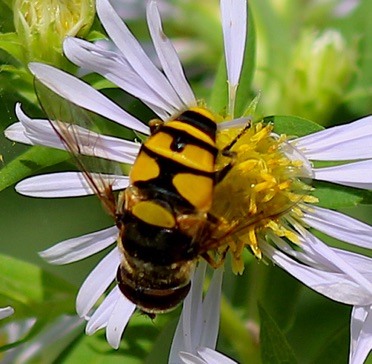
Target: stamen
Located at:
point(261, 190)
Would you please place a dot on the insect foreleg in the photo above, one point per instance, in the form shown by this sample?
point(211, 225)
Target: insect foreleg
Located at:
point(216, 263)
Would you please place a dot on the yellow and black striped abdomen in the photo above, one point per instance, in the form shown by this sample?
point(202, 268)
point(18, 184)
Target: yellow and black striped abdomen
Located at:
point(178, 161)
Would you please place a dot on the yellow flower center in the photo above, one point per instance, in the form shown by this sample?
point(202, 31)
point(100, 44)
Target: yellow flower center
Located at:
point(263, 185)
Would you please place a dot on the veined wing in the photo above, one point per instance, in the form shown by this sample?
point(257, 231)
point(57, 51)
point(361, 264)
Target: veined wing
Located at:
point(80, 135)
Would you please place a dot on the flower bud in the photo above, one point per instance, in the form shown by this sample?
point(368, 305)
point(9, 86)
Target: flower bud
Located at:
point(322, 66)
point(42, 26)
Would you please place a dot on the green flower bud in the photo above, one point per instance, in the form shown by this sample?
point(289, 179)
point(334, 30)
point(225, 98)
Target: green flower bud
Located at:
point(313, 81)
point(42, 25)
point(321, 68)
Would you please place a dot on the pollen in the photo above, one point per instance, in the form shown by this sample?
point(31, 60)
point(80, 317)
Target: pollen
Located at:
point(263, 186)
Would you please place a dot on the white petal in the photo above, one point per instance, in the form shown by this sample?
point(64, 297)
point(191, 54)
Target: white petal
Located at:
point(119, 319)
point(62, 329)
point(135, 55)
point(339, 226)
point(66, 184)
point(97, 282)
point(235, 123)
point(114, 67)
point(36, 131)
point(192, 311)
point(214, 357)
point(207, 356)
point(334, 285)
point(330, 258)
point(357, 174)
point(82, 94)
point(344, 142)
point(358, 316)
point(16, 133)
point(5, 312)
point(102, 314)
point(168, 57)
point(189, 328)
point(234, 25)
point(361, 334)
point(345, 7)
point(211, 311)
point(361, 263)
point(71, 250)
point(295, 154)
point(41, 132)
point(188, 358)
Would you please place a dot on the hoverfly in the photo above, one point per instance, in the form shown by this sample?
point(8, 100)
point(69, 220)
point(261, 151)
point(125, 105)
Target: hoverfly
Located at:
point(163, 216)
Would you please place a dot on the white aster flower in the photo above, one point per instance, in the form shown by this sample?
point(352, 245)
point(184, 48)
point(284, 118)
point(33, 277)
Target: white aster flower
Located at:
point(284, 238)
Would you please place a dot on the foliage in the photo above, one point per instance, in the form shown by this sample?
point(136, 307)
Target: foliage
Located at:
point(297, 325)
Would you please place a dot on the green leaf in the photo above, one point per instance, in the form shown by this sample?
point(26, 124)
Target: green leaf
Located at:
point(16, 86)
point(10, 43)
point(335, 349)
point(274, 346)
point(24, 284)
point(138, 339)
point(52, 341)
point(292, 125)
point(334, 196)
point(94, 35)
point(31, 161)
point(33, 293)
point(281, 295)
point(218, 98)
point(6, 16)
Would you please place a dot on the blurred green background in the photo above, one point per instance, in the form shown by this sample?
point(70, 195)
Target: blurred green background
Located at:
point(300, 70)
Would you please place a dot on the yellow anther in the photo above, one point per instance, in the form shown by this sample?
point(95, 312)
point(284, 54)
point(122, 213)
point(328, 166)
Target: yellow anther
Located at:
point(262, 187)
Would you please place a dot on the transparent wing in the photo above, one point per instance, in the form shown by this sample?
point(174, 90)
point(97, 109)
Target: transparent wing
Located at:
point(79, 133)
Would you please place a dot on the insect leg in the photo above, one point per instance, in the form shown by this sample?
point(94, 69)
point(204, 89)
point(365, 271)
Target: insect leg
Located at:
point(220, 175)
point(227, 148)
point(226, 152)
point(215, 263)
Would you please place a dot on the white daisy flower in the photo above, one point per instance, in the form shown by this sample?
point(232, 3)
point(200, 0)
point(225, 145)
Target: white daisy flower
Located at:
point(274, 211)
